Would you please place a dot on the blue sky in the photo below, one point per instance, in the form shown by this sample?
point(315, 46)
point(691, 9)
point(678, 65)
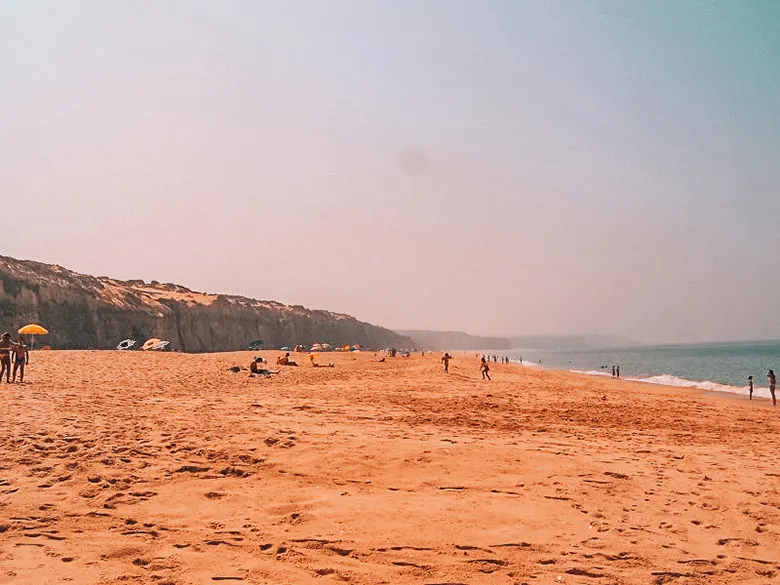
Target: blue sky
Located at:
point(496, 167)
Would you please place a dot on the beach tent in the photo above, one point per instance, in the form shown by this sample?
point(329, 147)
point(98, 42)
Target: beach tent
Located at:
point(316, 347)
point(150, 343)
point(160, 346)
point(256, 344)
point(125, 344)
point(285, 348)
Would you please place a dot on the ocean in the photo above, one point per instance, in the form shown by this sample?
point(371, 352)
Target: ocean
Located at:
point(722, 367)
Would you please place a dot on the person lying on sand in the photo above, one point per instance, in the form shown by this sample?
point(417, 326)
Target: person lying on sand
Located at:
point(285, 361)
point(312, 359)
point(6, 347)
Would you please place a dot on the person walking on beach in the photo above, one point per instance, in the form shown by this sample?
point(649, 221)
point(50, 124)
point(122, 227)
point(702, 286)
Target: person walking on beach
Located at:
point(772, 383)
point(613, 371)
point(6, 347)
point(485, 369)
point(445, 359)
point(750, 387)
point(617, 371)
point(21, 358)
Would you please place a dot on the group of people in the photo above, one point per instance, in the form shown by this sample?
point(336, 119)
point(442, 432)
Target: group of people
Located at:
point(484, 365)
point(770, 376)
point(257, 368)
point(496, 358)
point(13, 352)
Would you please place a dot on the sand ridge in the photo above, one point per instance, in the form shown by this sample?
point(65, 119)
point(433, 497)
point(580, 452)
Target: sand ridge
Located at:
point(168, 468)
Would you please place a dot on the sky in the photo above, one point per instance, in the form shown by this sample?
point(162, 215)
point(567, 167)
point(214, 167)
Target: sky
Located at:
point(495, 167)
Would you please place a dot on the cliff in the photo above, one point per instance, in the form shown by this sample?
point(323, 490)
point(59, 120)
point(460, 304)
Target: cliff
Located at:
point(83, 311)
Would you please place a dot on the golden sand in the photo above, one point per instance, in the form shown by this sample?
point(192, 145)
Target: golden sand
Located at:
point(170, 469)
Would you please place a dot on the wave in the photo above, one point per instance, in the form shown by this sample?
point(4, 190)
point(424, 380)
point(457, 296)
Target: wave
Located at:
point(670, 380)
point(526, 363)
point(591, 373)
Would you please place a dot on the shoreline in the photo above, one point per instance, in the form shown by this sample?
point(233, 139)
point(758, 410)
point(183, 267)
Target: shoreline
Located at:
point(759, 392)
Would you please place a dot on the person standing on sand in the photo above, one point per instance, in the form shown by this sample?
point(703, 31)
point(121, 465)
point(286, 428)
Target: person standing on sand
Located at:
point(613, 371)
point(772, 383)
point(21, 358)
point(6, 347)
point(446, 361)
point(485, 369)
point(617, 371)
point(750, 387)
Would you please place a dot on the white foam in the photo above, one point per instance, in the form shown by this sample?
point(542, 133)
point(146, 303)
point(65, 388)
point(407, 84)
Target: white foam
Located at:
point(590, 372)
point(669, 380)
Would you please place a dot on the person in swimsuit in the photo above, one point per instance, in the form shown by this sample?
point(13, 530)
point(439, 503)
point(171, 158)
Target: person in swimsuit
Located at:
point(750, 386)
point(446, 361)
point(772, 383)
point(21, 358)
point(485, 369)
point(6, 347)
point(255, 368)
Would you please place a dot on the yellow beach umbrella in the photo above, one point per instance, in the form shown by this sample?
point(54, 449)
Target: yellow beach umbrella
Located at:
point(33, 329)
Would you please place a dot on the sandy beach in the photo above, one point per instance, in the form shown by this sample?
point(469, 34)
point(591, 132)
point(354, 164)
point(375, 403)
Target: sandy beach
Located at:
point(171, 469)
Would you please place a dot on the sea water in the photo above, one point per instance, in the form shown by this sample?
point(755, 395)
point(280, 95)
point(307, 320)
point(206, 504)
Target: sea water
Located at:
point(710, 366)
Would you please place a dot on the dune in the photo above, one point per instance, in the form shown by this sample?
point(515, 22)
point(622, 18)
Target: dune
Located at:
point(129, 467)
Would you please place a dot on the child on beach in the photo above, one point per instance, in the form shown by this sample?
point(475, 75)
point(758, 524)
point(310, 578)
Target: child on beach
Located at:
point(485, 369)
point(750, 387)
point(772, 382)
point(446, 361)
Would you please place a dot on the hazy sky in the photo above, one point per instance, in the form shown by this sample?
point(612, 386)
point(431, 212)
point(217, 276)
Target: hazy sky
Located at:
point(494, 167)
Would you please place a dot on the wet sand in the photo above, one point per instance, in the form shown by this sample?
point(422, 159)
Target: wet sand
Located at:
point(170, 469)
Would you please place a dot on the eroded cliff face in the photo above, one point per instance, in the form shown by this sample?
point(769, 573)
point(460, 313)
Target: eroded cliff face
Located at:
point(83, 312)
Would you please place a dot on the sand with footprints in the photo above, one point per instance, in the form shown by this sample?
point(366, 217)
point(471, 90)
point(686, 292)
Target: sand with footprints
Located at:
point(171, 469)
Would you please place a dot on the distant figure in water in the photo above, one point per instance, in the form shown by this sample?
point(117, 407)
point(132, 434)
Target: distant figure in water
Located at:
point(485, 369)
point(772, 382)
point(445, 359)
point(750, 387)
